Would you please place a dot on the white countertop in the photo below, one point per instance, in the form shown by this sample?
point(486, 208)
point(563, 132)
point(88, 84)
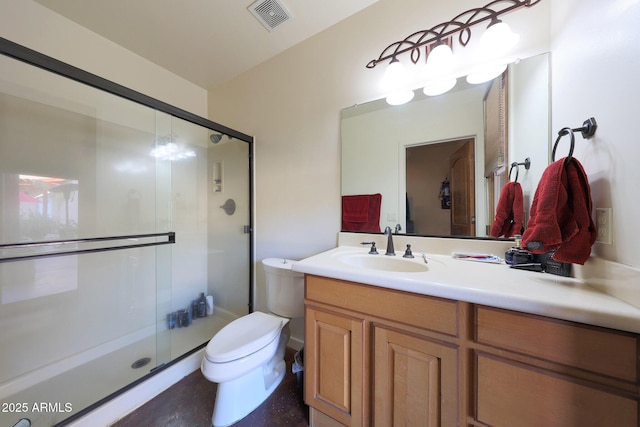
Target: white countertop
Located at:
point(495, 285)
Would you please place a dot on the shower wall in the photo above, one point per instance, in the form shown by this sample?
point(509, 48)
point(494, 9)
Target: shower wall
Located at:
point(78, 163)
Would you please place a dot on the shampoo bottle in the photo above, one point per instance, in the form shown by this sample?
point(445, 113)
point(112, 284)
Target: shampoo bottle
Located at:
point(202, 306)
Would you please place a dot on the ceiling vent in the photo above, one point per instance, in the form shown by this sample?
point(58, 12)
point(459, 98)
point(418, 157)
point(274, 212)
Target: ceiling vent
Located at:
point(270, 13)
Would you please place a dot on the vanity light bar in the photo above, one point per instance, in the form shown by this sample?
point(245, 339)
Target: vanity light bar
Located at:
point(460, 25)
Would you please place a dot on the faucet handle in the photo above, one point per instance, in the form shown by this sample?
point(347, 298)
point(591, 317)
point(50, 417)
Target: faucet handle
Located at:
point(408, 253)
point(373, 250)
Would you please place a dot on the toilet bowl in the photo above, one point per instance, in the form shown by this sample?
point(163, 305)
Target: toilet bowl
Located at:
point(246, 357)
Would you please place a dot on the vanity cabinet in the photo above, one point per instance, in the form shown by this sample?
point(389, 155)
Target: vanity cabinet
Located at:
point(380, 357)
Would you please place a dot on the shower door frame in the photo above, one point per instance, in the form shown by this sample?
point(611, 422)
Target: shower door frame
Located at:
point(37, 59)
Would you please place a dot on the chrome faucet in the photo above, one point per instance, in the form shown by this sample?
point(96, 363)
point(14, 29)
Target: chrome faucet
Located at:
point(390, 249)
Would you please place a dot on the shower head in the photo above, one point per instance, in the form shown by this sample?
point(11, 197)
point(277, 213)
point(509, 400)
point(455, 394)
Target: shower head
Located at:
point(215, 137)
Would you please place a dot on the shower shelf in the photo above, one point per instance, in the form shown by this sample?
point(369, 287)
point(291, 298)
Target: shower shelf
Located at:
point(171, 238)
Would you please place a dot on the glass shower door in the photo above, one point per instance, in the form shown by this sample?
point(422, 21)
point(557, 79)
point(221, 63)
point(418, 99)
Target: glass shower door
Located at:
point(150, 211)
point(210, 207)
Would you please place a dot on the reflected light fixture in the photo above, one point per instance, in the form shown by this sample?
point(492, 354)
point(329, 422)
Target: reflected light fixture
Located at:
point(166, 149)
point(495, 42)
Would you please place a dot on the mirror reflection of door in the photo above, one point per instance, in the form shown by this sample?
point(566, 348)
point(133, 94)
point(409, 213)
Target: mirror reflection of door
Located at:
point(461, 166)
point(424, 177)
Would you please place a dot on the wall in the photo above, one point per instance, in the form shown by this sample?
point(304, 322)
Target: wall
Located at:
point(36, 27)
point(292, 105)
point(596, 58)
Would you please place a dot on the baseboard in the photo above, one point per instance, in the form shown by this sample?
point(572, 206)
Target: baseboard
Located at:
point(295, 343)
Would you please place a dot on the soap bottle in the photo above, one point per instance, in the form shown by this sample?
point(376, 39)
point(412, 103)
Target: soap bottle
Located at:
point(202, 305)
point(194, 309)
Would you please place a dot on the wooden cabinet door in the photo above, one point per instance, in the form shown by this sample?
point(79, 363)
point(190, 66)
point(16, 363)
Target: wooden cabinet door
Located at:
point(415, 381)
point(334, 365)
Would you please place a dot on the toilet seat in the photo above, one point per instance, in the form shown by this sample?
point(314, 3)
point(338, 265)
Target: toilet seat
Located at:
point(243, 337)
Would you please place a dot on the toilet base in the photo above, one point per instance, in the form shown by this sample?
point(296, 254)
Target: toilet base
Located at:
point(236, 399)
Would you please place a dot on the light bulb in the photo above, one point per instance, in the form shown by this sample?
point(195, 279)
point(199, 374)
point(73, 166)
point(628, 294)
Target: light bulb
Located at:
point(400, 97)
point(438, 87)
point(394, 76)
point(440, 60)
point(497, 40)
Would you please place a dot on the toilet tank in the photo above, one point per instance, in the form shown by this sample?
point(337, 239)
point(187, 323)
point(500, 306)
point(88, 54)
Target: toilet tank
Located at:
point(285, 287)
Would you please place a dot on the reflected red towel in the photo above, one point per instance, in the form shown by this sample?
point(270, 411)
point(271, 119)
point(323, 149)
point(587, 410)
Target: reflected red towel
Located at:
point(561, 214)
point(352, 213)
point(509, 212)
point(355, 208)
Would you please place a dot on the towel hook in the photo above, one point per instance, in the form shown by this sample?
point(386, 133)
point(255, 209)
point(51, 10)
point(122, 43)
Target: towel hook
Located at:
point(587, 130)
point(516, 165)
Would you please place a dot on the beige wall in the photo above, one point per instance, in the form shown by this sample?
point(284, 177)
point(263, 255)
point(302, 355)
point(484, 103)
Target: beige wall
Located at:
point(36, 27)
point(292, 105)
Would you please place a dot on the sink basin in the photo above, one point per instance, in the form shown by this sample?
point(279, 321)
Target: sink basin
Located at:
point(385, 263)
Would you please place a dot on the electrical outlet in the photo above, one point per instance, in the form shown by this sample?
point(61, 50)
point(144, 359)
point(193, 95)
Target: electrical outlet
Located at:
point(604, 218)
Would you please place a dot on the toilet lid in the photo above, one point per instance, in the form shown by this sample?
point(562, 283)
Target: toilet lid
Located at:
point(243, 336)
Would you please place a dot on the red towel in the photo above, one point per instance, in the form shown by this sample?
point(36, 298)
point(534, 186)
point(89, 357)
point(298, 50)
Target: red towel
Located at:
point(355, 208)
point(361, 212)
point(561, 214)
point(509, 212)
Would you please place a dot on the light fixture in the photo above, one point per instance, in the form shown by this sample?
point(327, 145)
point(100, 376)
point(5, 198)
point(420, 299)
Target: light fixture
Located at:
point(485, 72)
point(495, 42)
point(438, 87)
point(399, 97)
point(394, 76)
point(440, 62)
point(394, 82)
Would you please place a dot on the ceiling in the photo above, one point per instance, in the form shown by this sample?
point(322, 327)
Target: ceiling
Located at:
point(207, 42)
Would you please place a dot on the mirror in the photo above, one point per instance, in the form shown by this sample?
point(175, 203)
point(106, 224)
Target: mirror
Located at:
point(409, 153)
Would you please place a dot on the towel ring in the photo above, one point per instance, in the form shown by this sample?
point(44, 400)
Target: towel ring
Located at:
point(516, 165)
point(561, 133)
point(587, 130)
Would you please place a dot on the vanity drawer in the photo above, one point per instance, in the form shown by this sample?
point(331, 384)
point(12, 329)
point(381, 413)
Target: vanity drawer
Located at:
point(430, 313)
point(511, 394)
point(599, 350)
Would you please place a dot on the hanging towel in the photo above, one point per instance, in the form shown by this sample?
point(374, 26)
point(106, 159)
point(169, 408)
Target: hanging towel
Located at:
point(509, 212)
point(355, 208)
point(561, 214)
point(361, 212)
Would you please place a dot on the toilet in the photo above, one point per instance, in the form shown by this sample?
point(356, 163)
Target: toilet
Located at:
point(246, 357)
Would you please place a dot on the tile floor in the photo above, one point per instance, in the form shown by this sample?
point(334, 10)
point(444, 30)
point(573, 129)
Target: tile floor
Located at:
point(189, 403)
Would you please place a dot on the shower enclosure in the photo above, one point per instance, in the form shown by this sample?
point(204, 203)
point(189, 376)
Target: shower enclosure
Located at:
point(118, 214)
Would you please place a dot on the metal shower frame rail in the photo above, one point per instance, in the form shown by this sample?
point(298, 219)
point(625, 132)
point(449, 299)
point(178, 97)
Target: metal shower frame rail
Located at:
point(171, 238)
